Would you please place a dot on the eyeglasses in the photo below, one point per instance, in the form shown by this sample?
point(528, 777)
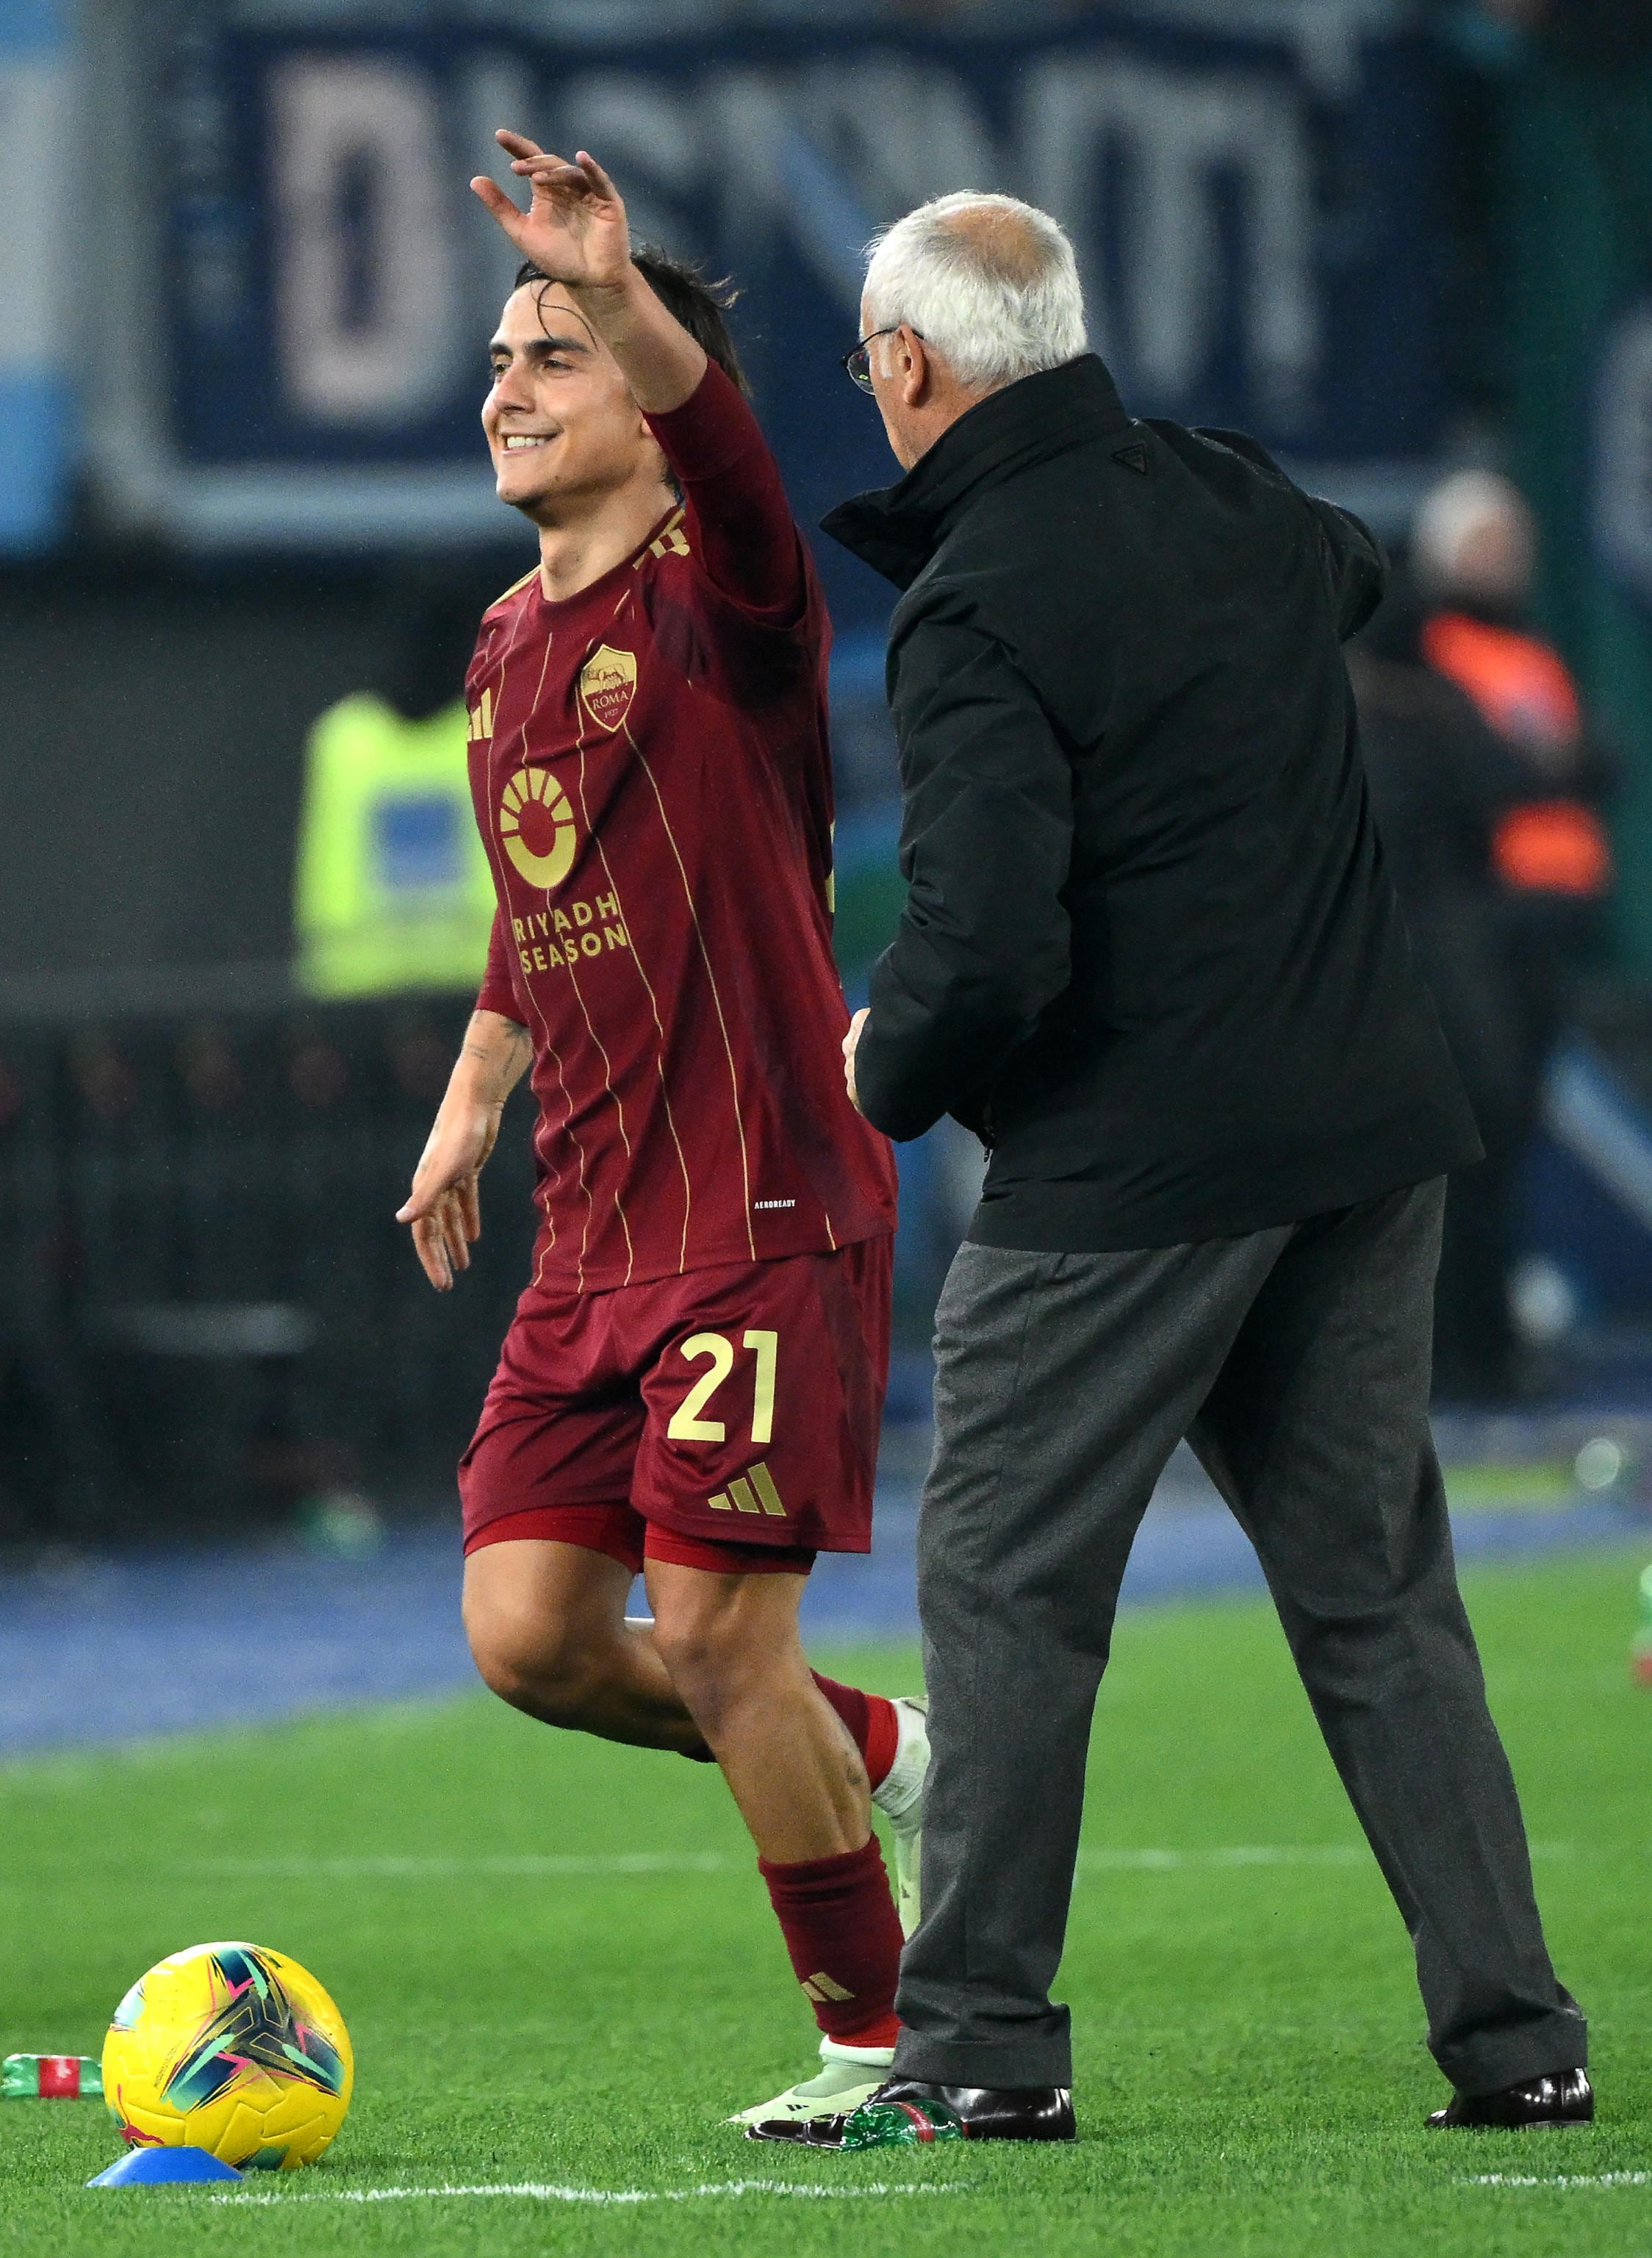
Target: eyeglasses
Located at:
point(857, 365)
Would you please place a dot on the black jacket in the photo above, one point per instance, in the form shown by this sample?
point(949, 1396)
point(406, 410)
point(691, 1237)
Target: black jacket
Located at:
point(1441, 782)
point(1149, 950)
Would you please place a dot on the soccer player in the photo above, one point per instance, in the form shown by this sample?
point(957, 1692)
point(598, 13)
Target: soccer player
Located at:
point(694, 1379)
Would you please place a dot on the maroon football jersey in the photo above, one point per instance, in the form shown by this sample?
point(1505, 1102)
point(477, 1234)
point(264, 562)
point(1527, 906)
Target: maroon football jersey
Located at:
point(649, 764)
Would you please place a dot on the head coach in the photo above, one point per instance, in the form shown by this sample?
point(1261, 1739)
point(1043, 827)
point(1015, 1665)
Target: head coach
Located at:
point(1150, 953)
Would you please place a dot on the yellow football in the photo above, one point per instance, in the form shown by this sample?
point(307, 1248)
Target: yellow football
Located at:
point(231, 2048)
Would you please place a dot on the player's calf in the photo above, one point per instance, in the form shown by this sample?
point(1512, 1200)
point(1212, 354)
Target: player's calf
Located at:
point(731, 1645)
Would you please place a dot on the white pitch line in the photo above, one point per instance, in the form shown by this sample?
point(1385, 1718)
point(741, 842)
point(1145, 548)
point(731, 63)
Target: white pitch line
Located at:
point(396, 1869)
point(1260, 1854)
point(536, 2191)
point(546, 1866)
point(1164, 1862)
point(1561, 2179)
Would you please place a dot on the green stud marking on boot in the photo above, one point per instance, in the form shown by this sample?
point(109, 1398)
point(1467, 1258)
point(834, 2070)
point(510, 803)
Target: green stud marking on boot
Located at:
point(900, 2125)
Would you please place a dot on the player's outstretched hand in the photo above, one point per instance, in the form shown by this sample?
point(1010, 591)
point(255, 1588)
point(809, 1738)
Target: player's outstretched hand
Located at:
point(575, 230)
point(445, 1206)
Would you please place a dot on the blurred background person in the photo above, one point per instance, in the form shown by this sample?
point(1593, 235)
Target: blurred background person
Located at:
point(1489, 787)
point(1474, 553)
point(392, 888)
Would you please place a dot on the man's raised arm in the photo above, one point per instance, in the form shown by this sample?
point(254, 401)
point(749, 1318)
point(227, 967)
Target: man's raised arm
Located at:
point(576, 232)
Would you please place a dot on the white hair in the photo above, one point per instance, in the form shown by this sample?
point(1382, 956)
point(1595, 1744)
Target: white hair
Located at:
point(991, 284)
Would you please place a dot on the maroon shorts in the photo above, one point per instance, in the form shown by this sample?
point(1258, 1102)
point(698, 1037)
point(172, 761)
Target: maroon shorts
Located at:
point(728, 1419)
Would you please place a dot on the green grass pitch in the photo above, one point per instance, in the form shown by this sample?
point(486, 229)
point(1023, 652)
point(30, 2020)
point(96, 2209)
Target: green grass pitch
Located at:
point(560, 1971)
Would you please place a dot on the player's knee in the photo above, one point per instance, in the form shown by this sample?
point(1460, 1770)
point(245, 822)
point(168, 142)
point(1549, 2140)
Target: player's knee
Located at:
point(709, 1661)
point(549, 1670)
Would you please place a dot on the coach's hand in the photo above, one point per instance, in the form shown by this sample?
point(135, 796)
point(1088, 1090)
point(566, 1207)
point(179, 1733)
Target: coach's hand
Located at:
point(851, 1044)
point(445, 1206)
point(575, 230)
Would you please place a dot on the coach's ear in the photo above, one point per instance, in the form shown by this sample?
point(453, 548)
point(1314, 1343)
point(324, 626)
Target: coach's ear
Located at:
point(916, 370)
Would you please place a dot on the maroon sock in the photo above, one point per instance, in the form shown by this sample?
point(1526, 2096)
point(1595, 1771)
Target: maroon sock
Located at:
point(838, 1919)
point(869, 1720)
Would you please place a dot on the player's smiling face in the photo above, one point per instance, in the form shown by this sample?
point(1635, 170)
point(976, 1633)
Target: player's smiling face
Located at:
point(561, 423)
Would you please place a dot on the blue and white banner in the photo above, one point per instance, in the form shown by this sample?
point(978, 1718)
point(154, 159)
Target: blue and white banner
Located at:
point(34, 411)
point(1254, 216)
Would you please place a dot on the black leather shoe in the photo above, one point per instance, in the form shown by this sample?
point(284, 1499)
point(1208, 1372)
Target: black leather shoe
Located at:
point(985, 2112)
point(1565, 2097)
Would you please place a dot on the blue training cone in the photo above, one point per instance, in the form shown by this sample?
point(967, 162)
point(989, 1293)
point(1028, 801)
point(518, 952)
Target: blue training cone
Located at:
point(165, 2167)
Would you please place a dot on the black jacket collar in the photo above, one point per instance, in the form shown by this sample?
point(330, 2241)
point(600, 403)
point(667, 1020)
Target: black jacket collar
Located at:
point(898, 530)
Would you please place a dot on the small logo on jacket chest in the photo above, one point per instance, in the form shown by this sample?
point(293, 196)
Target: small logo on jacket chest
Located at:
point(607, 684)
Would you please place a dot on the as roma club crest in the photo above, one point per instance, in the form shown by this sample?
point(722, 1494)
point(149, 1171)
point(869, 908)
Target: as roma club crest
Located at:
point(607, 684)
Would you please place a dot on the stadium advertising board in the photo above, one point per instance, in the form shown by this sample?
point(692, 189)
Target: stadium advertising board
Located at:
point(1251, 214)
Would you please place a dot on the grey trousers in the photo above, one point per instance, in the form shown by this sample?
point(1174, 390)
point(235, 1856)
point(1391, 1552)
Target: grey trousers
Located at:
point(1296, 1363)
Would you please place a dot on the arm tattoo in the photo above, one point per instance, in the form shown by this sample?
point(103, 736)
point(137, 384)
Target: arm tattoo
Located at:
point(486, 1053)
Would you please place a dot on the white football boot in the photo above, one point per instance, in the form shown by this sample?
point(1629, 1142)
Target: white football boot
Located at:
point(847, 2075)
point(900, 1798)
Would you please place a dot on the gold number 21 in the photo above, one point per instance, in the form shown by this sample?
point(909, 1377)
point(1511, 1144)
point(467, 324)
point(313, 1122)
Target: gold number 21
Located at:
point(687, 1426)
